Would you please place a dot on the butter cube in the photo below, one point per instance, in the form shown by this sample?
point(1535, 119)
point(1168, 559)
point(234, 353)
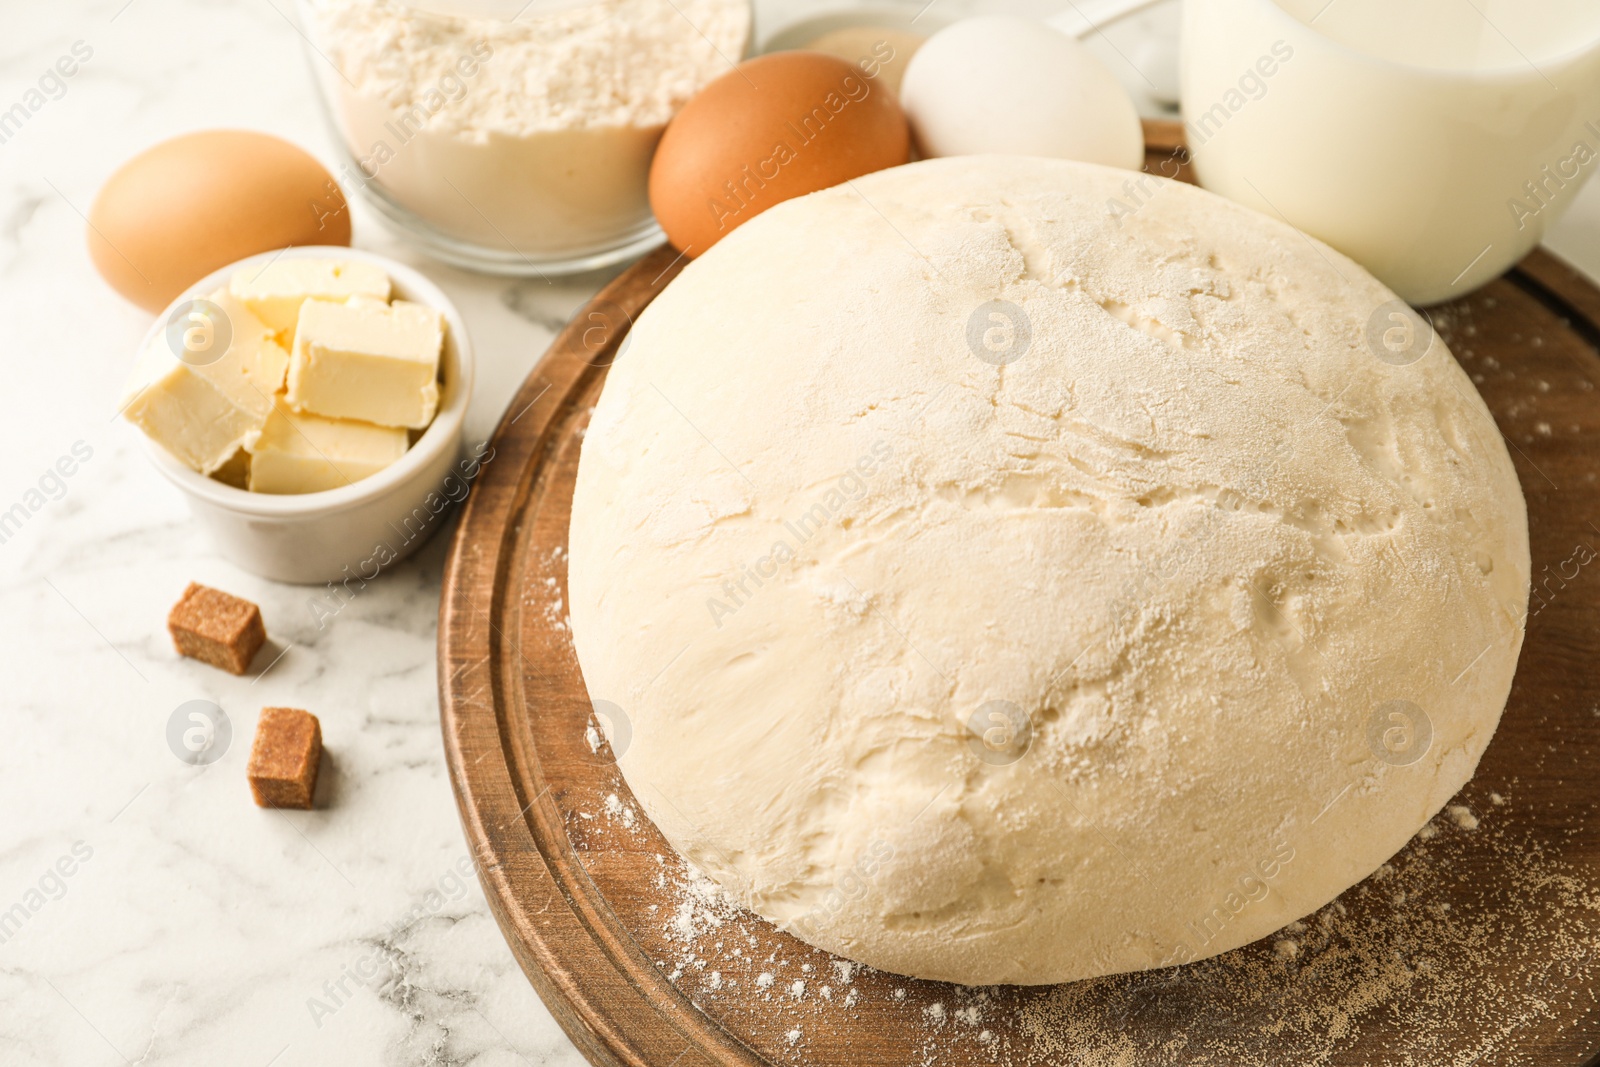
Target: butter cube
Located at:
point(276, 291)
point(304, 453)
point(366, 360)
point(204, 412)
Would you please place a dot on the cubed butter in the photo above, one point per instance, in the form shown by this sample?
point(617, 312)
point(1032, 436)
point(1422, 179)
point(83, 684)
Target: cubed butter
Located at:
point(365, 360)
point(276, 291)
point(205, 412)
point(298, 452)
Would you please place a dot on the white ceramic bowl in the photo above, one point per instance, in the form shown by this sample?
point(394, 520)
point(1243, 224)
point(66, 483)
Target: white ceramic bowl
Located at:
point(350, 534)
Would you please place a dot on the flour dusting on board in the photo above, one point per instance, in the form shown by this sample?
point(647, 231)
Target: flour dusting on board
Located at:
point(1390, 957)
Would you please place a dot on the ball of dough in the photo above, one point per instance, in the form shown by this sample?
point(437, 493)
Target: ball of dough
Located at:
point(1008, 578)
point(1006, 84)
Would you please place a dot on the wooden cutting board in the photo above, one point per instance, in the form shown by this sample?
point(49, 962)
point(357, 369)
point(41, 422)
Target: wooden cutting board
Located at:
point(1477, 944)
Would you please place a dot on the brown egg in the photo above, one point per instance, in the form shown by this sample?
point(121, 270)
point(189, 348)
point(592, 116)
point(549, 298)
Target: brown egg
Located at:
point(773, 128)
point(180, 210)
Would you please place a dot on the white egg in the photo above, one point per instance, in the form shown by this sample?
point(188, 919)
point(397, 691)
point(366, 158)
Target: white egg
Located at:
point(1003, 84)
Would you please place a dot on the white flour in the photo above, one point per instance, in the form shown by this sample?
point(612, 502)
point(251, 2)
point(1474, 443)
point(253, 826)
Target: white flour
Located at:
point(606, 64)
point(532, 137)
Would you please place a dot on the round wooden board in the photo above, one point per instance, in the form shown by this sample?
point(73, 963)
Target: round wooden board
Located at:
point(1476, 944)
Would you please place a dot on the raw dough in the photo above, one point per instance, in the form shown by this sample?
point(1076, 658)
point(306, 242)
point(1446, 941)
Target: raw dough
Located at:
point(1257, 592)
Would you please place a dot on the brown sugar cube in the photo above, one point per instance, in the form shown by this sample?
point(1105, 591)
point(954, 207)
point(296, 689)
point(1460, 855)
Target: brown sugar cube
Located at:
point(216, 628)
point(285, 757)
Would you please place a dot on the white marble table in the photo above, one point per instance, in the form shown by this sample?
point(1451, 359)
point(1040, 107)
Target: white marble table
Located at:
point(155, 914)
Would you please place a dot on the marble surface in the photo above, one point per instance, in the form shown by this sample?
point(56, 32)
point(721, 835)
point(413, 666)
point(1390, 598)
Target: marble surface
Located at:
point(156, 915)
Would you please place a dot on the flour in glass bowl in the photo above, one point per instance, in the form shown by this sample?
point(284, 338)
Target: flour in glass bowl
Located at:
point(531, 136)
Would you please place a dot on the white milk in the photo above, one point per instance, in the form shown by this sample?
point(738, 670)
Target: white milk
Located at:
point(1433, 141)
point(1458, 35)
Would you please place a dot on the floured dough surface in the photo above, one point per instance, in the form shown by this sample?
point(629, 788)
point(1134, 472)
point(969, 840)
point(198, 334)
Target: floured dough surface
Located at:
point(1116, 631)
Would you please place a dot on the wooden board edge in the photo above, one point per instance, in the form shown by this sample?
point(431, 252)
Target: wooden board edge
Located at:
point(476, 679)
point(1564, 289)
